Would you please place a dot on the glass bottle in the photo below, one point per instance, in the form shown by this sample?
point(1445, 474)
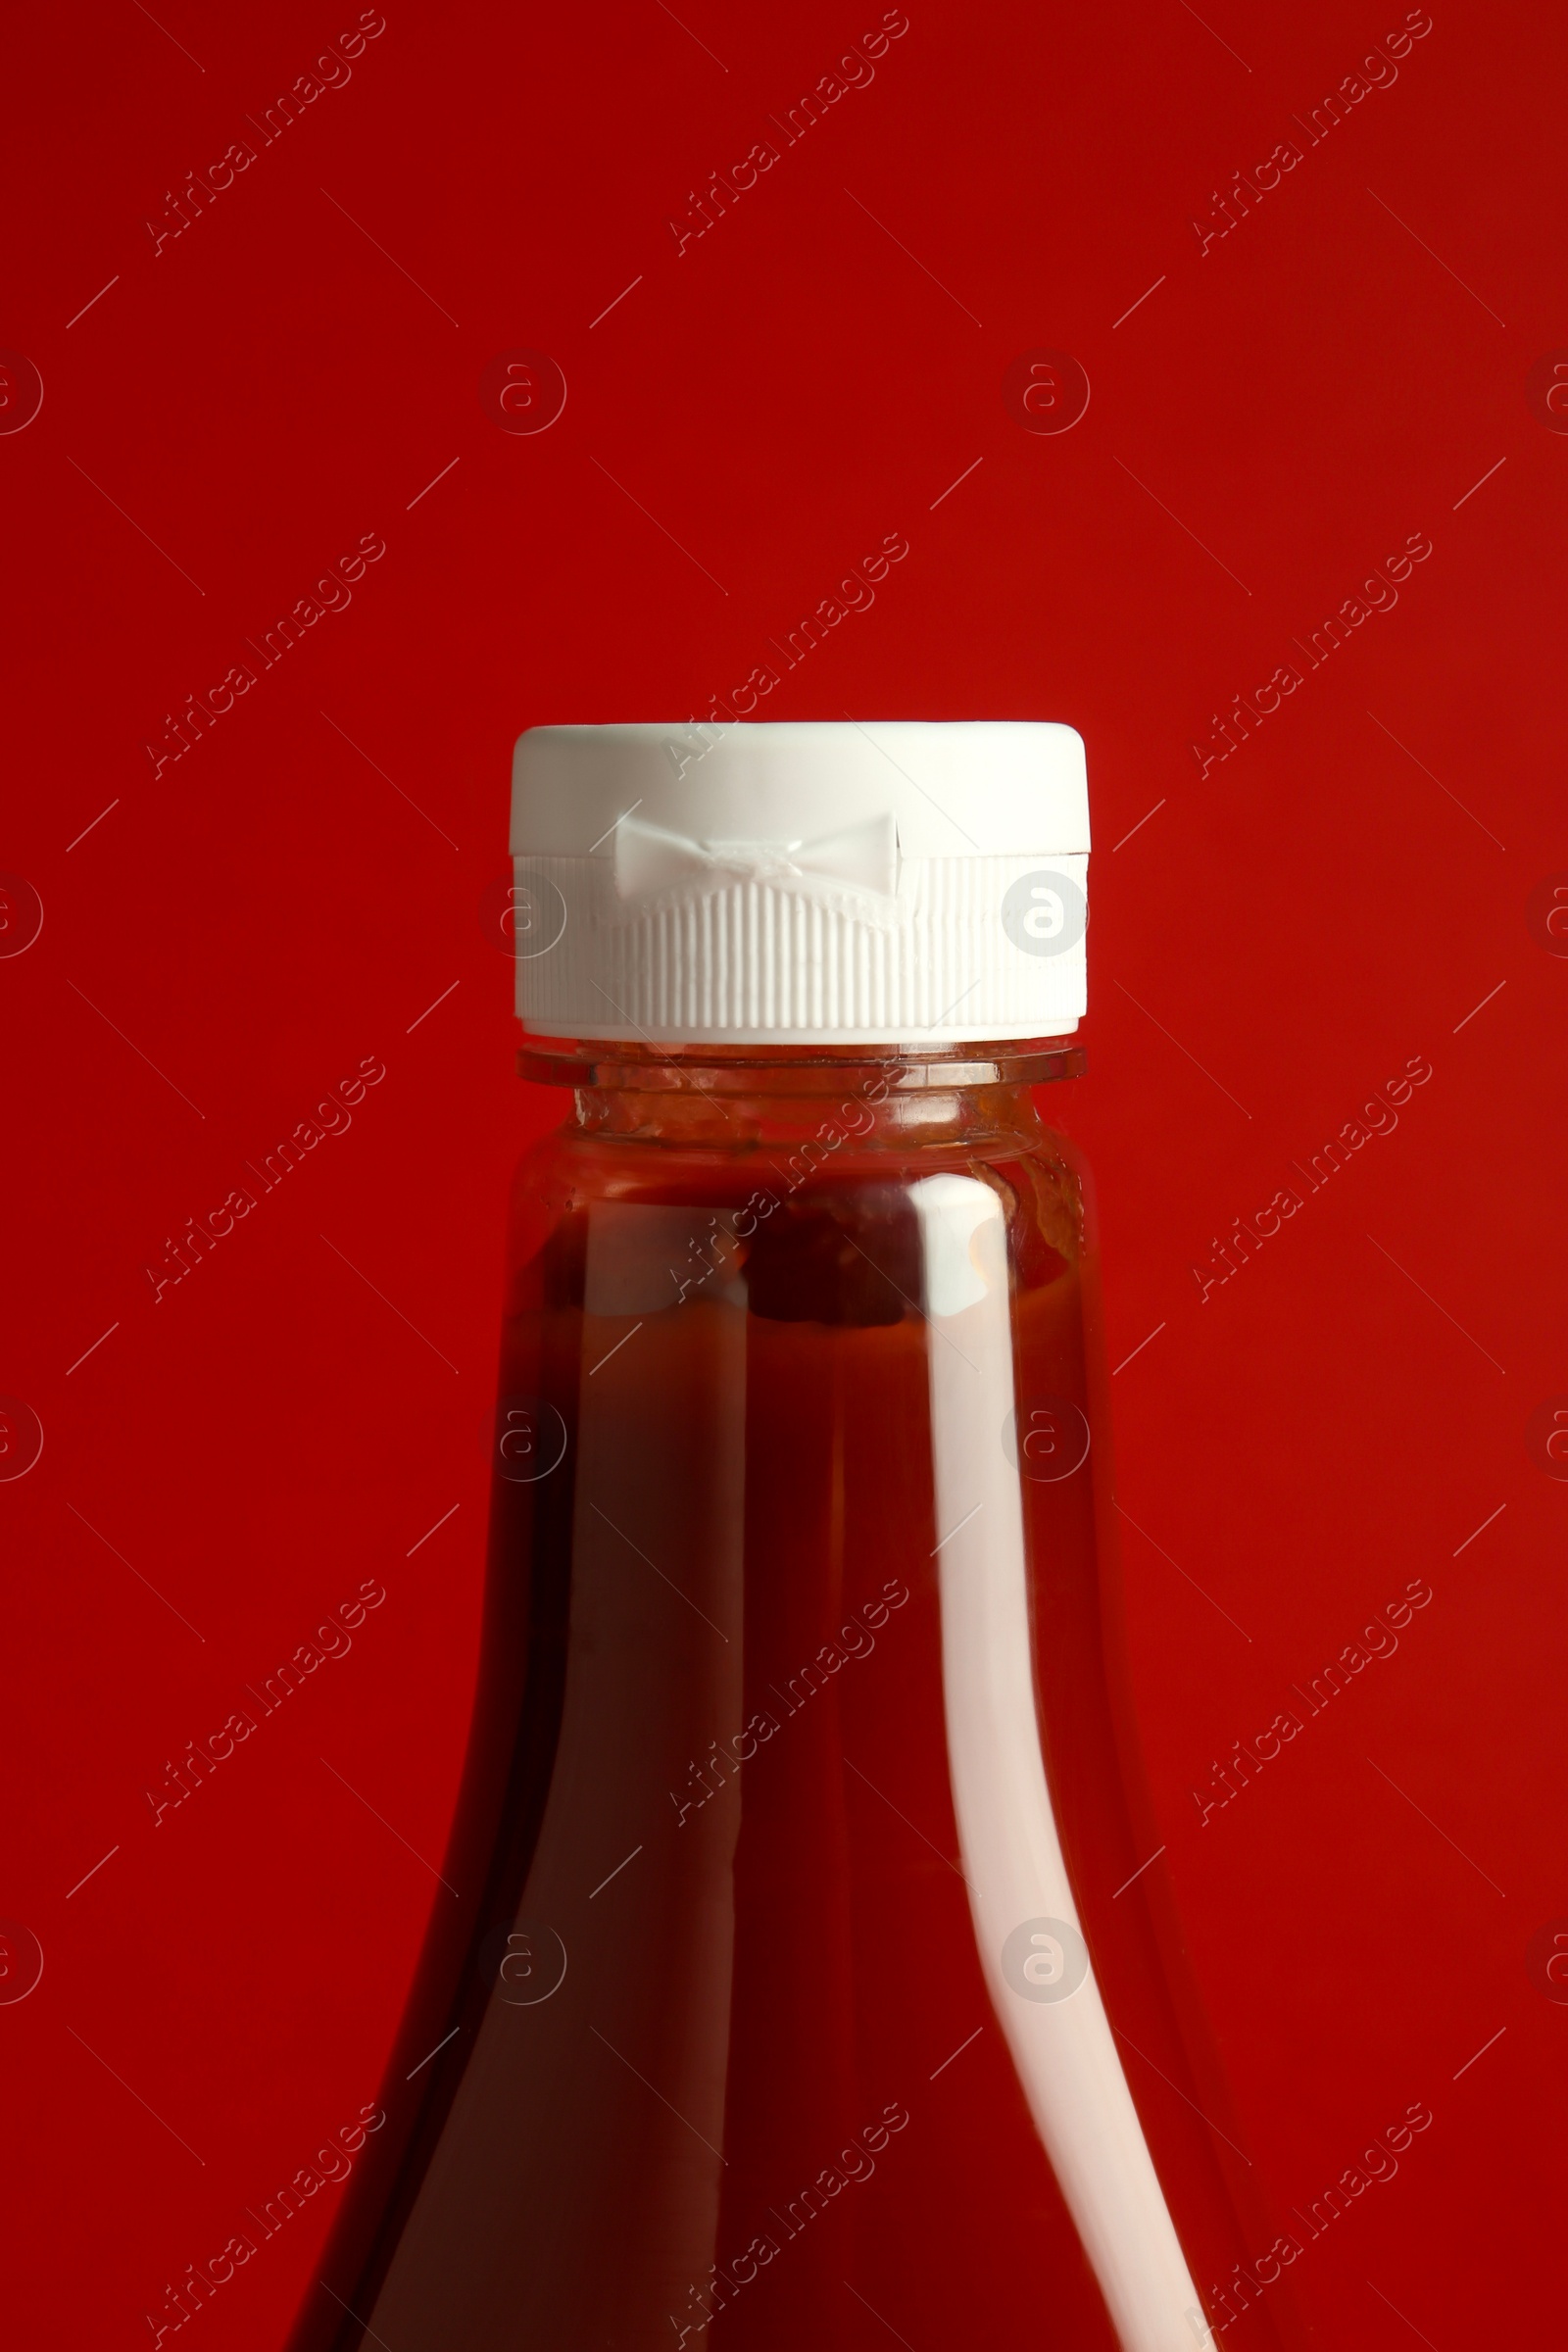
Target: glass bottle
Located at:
point(808, 1980)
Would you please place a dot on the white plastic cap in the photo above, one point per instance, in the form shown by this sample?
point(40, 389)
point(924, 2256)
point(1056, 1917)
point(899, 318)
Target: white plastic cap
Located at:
point(900, 882)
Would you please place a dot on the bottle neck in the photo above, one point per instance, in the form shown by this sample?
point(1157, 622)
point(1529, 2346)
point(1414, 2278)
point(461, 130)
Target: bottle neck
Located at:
point(716, 1097)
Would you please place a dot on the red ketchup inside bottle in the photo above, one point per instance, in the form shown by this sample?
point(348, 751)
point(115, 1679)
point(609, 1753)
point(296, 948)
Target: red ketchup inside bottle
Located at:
point(811, 1982)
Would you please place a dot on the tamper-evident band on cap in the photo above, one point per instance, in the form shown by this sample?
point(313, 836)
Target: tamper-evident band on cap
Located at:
point(903, 881)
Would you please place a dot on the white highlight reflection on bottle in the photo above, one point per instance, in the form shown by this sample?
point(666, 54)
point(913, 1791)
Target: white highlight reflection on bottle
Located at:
point(1025, 1921)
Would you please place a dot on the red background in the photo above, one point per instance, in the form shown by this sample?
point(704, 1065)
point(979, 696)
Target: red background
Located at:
point(1278, 938)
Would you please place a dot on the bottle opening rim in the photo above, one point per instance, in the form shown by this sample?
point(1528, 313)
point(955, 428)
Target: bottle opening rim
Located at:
point(746, 1069)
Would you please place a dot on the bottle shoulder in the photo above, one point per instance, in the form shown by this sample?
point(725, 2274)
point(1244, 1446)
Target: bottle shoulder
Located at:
point(813, 1221)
